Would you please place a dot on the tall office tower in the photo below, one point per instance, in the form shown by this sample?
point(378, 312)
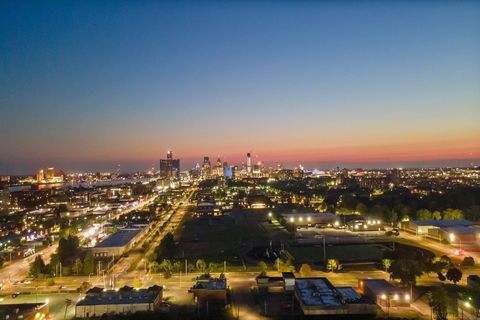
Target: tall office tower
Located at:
point(249, 164)
point(170, 168)
point(206, 166)
point(219, 167)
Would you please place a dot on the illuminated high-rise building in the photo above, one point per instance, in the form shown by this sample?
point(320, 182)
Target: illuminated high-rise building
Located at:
point(249, 164)
point(170, 168)
point(219, 167)
point(206, 167)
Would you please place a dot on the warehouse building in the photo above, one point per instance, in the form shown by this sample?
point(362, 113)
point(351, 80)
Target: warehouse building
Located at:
point(119, 242)
point(98, 302)
point(317, 296)
point(453, 231)
point(384, 293)
point(210, 290)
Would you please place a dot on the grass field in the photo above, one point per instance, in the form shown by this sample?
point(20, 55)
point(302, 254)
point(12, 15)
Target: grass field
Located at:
point(225, 238)
point(343, 253)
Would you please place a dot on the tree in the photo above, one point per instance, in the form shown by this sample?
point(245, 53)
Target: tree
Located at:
point(50, 282)
point(453, 214)
point(263, 267)
point(333, 265)
point(37, 267)
point(305, 270)
point(212, 267)
point(386, 263)
point(154, 267)
point(454, 275)
point(468, 262)
point(166, 265)
point(436, 215)
point(177, 266)
point(54, 262)
point(406, 270)
point(201, 265)
point(137, 283)
point(77, 266)
point(424, 214)
point(438, 301)
point(439, 265)
point(67, 250)
point(441, 277)
point(88, 264)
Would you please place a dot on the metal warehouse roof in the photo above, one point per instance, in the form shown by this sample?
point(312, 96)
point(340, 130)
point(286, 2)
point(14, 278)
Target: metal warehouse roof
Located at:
point(119, 238)
point(121, 297)
point(442, 223)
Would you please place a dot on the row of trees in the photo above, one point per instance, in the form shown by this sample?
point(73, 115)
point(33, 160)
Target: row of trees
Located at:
point(38, 267)
point(167, 267)
point(448, 214)
point(332, 265)
point(392, 205)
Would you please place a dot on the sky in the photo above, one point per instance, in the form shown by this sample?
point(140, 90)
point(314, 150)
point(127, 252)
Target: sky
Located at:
point(88, 85)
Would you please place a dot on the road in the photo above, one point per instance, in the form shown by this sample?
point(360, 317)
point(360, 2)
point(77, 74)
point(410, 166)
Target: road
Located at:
point(18, 270)
point(168, 223)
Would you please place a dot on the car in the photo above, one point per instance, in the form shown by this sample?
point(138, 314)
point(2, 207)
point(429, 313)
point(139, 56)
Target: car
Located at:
point(15, 294)
point(459, 252)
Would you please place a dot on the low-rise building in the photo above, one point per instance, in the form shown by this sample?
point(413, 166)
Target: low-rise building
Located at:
point(384, 293)
point(118, 243)
point(98, 301)
point(453, 231)
point(210, 290)
point(317, 296)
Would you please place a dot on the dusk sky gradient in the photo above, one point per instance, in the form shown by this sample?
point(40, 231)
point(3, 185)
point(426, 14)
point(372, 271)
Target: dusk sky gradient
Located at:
point(87, 85)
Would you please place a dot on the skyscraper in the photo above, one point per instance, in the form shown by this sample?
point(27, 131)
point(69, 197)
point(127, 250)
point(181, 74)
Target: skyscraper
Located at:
point(170, 168)
point(249, 164)
point(206, 168)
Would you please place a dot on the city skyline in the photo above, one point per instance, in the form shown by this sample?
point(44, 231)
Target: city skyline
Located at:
point(85, 87)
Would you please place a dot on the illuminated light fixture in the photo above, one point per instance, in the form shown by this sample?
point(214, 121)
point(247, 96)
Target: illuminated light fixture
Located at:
point(300, 219)
point(407, 297)
point(309, 219)
point(452, 237)
point(378, 221)
point(467, 304)
point(383, 296)
point(395, 297)
point(292, 219)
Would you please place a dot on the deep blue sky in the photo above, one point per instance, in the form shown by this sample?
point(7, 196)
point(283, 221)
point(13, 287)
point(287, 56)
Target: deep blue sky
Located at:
point(86, 85)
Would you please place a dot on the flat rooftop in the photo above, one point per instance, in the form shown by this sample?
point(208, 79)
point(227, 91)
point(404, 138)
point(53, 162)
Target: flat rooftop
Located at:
point(317, 292)
point(128, 296)
point(211, 284)
point(442, 223)
point(380, 286)
point(120, 238)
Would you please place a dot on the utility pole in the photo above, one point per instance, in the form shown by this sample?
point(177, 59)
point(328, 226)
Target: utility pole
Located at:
point(324, 253)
